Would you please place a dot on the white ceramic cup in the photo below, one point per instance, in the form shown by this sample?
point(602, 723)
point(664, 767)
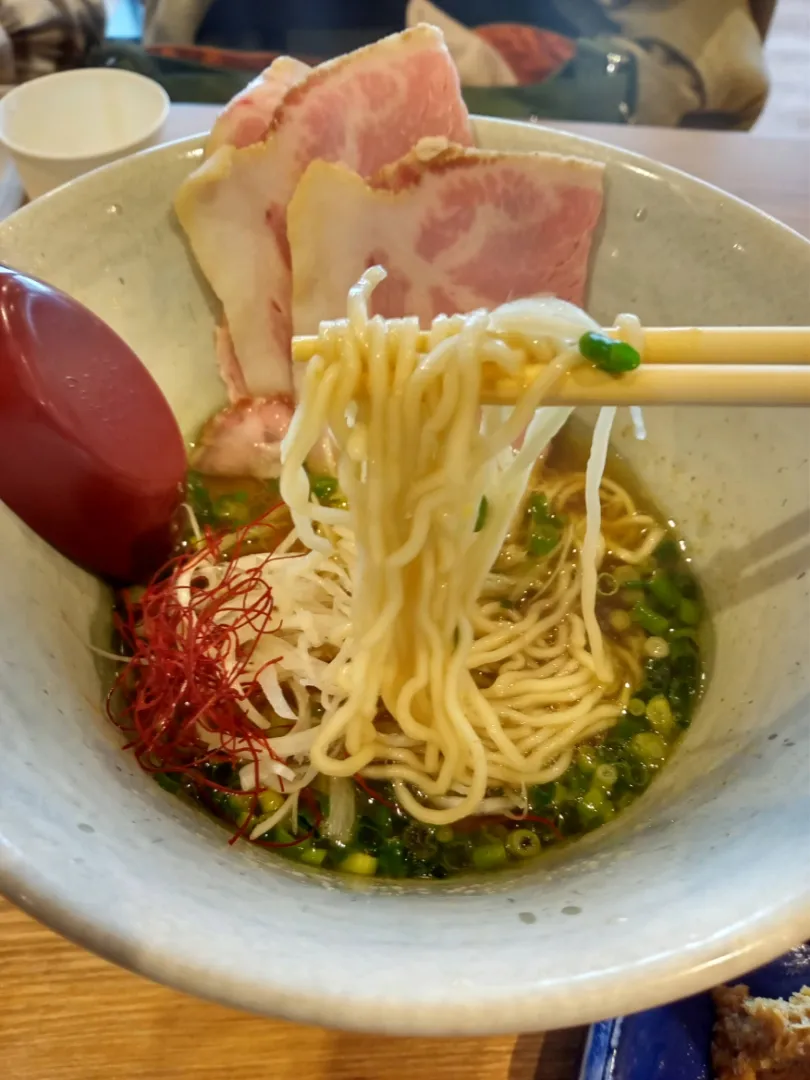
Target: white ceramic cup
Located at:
point(62, 125)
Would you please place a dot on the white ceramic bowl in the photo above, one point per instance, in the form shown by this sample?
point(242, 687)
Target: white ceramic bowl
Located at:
point(706, 876)
point(62, 125)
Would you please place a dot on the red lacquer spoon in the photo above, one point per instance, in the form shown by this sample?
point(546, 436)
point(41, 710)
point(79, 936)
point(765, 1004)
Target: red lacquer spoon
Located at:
point(91, 456)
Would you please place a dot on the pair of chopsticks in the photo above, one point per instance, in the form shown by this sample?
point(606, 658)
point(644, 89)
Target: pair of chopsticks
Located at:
point(713, 365)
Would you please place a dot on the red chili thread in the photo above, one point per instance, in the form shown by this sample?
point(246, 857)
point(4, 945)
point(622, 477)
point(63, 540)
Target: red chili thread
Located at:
point(549, 824)
point(175, 676)
point(374, 794)
point(308, 797)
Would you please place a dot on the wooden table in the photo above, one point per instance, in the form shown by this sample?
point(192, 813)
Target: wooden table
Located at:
point(66, 1015)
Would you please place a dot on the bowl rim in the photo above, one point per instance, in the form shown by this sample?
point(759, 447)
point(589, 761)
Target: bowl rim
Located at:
point(660, 980)
point(657, 980)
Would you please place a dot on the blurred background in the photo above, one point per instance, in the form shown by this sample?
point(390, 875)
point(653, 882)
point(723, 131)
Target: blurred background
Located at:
point(787, 58)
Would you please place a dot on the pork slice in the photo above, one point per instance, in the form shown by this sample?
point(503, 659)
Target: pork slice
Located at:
point(456, 229)
point(366, 109)
point(244, 439)
point(246, 119)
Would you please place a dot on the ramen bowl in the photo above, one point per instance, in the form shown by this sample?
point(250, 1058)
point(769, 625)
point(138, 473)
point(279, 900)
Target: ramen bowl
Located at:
point(706, 876)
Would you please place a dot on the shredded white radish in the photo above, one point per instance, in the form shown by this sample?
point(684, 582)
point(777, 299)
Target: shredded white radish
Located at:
point(339, 822)
point(591, 557)
point(267, 823)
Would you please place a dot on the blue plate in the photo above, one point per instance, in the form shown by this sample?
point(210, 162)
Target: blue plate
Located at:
point(673, 1042)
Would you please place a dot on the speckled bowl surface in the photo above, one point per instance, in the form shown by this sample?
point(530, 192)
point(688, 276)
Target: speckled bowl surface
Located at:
point(706, 876)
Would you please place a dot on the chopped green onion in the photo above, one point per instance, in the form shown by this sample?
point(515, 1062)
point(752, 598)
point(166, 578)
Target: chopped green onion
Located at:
point(420, 869)
point(681, 648)
point(445, 833)
point(668, 552)
point(595, 808)
point(541, 796)
point(681, 693)
point(649, 620)
point(483, 510)
point(523, 843)
point(238, 808)
point(232, 510)
point(544, 527)
point(607, 585)
point(312, 856)
point(637, 707)
point(664, 590)
point(538, 508)
point(561, 793)
point(489, 856)
point(543, 539)
point(657, 648)
point(455, 856)
point(392, 860)
point(634, 773)
point(270, 801)
point(587, 759)
point(688, 668)
point(577, 781)
point(199, 498)
point(323, 487)
point(168, 781)
point(608, 354)
point(658, 675)
point(382, 817)
point(420, 840)
point(359, 863)
point(628, 596)
point(688, 585)
point(566, 819)
point(625, 574)
point(494, 830)
point(596, 347)
point(689, 611)
point(649, 747)
point(659, 713)
point(623, 357)
point(368, 837)
point(605, 776)
point(619, 620)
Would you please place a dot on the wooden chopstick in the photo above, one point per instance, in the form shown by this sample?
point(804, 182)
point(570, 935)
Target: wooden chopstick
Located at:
point(756, 345)
point(759, 365)
point(680, 345)
point(666, 384)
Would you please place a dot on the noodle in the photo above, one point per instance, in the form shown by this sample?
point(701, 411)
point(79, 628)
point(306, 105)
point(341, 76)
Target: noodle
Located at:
point(453, 622)
point(478, 699)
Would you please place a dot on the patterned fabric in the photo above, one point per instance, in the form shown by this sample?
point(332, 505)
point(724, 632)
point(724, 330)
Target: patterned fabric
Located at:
point(41, 36)
point(174, 22)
